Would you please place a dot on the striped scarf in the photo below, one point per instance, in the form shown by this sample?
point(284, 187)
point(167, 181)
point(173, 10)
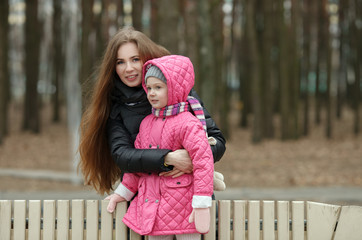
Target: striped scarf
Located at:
point(177, 108)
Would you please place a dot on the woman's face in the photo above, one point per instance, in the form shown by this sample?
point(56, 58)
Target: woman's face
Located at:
point(129, 65)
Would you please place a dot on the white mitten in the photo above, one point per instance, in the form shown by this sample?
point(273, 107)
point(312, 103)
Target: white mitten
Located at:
point(219, 184)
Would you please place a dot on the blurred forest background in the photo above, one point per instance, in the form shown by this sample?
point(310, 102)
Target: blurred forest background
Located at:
point(271, 69)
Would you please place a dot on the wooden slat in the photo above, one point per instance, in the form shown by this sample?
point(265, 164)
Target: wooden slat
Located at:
point(283, 220)
point(239, 219)
point(134, 235)
point(106, 222)
point(298, 220)
point(349, 223)
point(49, 219)
point(5, 219)
point(63, 219)
point(211, 235)
point(92, 220)
point(224, 220)
point(268, 220)
point(321, 220)
point(34, 219)
point(121, 228)
point(77, 219)
point(19, 219)
point(254, 220)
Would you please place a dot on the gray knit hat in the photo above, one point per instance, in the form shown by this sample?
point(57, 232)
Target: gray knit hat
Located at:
point(154, 71)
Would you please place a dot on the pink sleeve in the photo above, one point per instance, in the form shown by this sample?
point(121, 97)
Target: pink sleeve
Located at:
point(197, 145)
point(130, 181)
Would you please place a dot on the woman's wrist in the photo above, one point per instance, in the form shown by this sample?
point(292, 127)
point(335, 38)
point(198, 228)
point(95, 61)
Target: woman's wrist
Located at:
point(168, 159)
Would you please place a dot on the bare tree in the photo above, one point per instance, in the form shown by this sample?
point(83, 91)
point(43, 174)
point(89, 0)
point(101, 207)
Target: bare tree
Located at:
point(250, 7)
point(191, 28)
point(306, 63)
point(86, 61)
point(168, 25)
point(206, 67)
point(328, 49)
point(220, 63)
point(58, 57)
point(31, 117)
point(356, 62)
point(137, 9)
point(154, 31)
point(4, 71)
point(265, 44)
point(244, 72)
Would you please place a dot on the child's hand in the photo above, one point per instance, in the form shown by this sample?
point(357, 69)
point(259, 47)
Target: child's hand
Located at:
point(201, 217)
point(113, 200)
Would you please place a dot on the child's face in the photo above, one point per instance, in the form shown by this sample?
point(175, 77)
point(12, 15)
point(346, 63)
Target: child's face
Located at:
point(129, 65)
point(156, 92)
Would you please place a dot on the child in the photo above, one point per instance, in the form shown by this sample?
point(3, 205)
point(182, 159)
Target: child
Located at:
point(166, 205)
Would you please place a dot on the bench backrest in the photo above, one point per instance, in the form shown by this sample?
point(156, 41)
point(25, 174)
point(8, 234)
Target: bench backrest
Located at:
point(238, 219)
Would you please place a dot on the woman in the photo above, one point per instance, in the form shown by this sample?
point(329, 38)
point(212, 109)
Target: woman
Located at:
point(110, 124)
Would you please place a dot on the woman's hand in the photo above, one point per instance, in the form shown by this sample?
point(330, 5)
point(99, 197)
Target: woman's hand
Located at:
point(113, 200)
point(181, 162)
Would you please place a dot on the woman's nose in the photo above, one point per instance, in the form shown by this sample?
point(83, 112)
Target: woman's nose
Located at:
point(129, 66)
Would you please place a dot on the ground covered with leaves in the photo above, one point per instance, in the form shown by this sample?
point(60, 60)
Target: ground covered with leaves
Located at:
point(309, 161)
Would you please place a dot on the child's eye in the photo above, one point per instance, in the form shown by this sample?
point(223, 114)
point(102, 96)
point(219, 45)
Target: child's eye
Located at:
point(119, 62)
point(136, 59)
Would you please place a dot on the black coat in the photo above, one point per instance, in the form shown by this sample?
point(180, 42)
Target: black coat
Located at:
point(122, 129)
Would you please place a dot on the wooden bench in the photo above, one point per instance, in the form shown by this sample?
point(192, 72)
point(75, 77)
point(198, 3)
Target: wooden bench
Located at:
point(237, 219)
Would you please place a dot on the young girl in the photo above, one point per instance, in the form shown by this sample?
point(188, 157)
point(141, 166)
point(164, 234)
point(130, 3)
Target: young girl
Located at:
point(167, 205)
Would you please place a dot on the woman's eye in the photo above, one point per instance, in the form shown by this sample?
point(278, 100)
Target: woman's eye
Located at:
point(136, 59)
point(119, 62)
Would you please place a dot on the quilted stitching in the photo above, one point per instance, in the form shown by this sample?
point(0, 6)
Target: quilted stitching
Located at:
point(171, 211)
point(179, 73)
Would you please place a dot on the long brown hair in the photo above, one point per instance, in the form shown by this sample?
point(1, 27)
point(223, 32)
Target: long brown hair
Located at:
point(96, 163)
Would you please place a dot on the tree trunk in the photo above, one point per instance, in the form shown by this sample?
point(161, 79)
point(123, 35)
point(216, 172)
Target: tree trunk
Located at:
point(154, 31)
point(306, 63)
point(31, 119)
point(168, 20)
point(4, 69)
point(294, 78)
point(137, 8)
point(86, 61)
point(244, 72)
point(320, 59)
point(221, 63)
point(207, 71)
point(71, 76)
point(328, 48)
point(342, 71)
point(265, 45)
point(255, 71)
point(356, 46)
point(283, 72)
point(120, 13)
point(191, 29)
point(58, 60)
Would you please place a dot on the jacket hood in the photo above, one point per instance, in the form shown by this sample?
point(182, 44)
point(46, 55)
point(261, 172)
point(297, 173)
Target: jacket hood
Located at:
point(179, 73)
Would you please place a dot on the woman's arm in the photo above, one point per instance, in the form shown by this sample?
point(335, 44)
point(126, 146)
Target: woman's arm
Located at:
point(129, 159)
point(219, 148)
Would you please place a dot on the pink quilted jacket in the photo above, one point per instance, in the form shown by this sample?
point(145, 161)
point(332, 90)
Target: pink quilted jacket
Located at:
point(164, 204)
